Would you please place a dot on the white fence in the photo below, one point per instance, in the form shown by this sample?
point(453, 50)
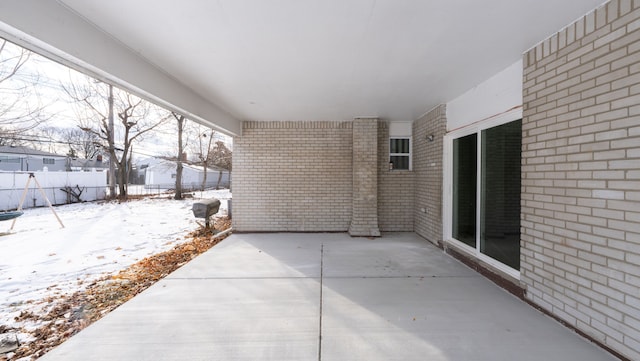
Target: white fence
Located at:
point(12, 184)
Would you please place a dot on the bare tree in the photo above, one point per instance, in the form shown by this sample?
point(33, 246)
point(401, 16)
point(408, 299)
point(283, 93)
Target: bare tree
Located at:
point(210, 151)
point(220, 156)
point(43, 138)
point(181, 123)
point(81, 144)
point(8, 138)
point(21, 109)
point(205, 153)
point(135, 118)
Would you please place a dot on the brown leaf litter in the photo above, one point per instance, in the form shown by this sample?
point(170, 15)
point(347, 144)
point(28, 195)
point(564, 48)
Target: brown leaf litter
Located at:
point(70, 314)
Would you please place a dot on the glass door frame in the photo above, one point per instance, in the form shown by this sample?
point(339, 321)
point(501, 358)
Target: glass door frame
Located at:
point(447, 189)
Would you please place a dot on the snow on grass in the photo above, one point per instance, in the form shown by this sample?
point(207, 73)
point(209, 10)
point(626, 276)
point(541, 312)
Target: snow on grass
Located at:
point(40, 259)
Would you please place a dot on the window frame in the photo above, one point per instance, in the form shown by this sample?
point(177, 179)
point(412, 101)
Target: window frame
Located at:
point(409, 155)
point(447, 189)
point(48, 161)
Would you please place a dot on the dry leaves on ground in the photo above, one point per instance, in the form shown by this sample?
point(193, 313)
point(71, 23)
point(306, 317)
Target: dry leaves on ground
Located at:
point(72, 313)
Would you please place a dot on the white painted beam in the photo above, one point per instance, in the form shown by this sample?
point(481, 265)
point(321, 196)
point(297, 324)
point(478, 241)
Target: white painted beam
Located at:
point(49, 28)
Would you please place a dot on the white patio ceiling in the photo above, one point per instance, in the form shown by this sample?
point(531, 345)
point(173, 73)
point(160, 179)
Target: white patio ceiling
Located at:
point(229, 60)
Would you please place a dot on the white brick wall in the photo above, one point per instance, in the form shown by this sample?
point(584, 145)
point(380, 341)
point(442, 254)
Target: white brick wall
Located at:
point(396, 196)
point(297, 176)
point(580, 176)
point(427, 165)
point(293, 176)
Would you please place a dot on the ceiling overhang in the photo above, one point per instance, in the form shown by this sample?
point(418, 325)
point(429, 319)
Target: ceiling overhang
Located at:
point(219, 62)
point(49, 28)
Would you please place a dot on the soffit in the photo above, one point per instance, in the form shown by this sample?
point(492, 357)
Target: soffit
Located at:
point(329, 59)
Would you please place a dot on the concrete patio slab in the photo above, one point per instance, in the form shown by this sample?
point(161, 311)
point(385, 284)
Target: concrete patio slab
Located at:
point(394, 255)
point(270, 255)
point(326, 297)
point(439, 319)
point(206, 319)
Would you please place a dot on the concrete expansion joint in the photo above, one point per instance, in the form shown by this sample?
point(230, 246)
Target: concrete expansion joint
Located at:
point(402, 277)
point(237, 278)
point(320, 307)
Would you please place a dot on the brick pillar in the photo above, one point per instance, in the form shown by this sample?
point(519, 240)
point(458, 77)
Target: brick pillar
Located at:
point(364, 218)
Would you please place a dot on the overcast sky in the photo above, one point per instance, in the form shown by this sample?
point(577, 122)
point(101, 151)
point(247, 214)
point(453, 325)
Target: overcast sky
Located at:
point(51, 76)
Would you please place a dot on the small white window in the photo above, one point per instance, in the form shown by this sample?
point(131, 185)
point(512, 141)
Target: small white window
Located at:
point(173, 175)
point(400, 153)
point(48, 161)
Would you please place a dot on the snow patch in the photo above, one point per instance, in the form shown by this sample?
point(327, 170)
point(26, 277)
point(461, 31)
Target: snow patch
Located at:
point(41, 260)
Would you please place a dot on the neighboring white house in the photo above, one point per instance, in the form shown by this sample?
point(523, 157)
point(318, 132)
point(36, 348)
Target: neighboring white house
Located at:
point(23, 159)
point(161, 173)
point(88, 165)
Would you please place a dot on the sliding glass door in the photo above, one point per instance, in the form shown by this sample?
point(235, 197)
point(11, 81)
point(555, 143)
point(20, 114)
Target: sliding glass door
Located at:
point(464, 189)
point(485, 198)
point(500, 193)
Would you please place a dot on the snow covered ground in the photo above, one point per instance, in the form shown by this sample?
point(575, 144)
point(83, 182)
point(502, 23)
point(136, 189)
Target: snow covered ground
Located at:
point(40, 259)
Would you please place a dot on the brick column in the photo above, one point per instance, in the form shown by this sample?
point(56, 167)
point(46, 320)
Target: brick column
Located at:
point(364, 218)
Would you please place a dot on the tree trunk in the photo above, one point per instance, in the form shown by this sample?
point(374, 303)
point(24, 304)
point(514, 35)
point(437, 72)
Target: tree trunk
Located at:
point(178, 194)
point(219, 179)
point(204, 178)
point(180, 120)
point(112, 151)
point(122, 186)
point(113, 181)
point(123, 176)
